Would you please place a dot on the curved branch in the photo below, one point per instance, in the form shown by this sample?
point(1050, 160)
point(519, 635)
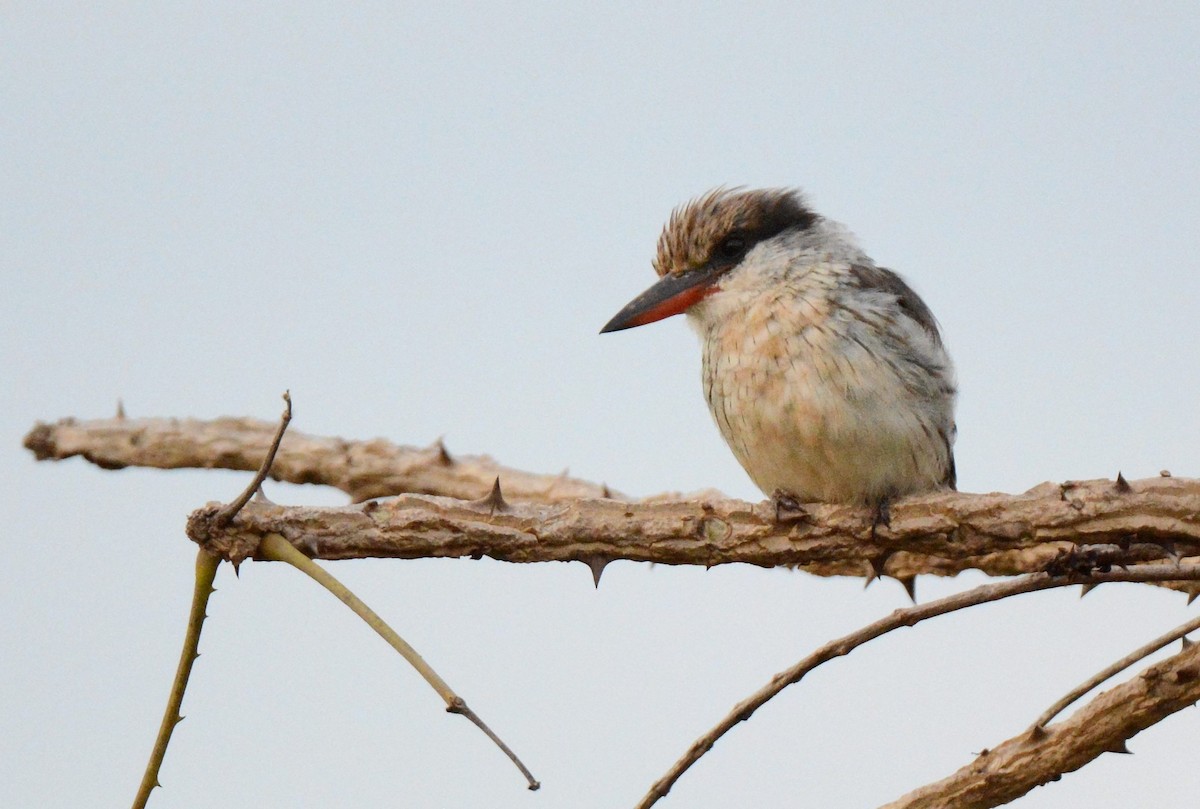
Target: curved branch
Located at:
point(277, 549)
point(230, 511)
point(362, 469)
point(909, 617)
point(1112, 670)
point(1002, 774)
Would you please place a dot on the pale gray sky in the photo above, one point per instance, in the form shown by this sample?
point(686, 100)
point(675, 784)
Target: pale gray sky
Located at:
point(417, 220)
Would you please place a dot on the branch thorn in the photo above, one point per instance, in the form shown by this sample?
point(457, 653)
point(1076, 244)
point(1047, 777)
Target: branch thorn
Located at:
point(494, 500)
point(443, 455)
point(596, 564)
point(879, 563)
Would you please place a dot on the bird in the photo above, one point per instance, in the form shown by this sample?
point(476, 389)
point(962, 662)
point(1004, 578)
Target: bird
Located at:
point(826, 374)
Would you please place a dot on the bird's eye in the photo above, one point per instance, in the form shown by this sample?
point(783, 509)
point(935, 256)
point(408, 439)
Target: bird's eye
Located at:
point(732, 246)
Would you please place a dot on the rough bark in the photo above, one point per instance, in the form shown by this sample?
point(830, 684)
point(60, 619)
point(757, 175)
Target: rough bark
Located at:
point(1076, 525)
point(1069, 530)
point(1092, 526)
point(1005, 773)
point(911, 616)
point(362, 469)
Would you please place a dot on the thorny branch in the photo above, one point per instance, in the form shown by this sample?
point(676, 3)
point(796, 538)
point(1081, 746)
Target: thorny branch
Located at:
point(362, 469)
point(206, 571)
point(276, 548)
point(1085, 532)
point(1096, 529)
point(1100, 742)
point(1008, 771)
point(1108, 672)
point(1075, 525)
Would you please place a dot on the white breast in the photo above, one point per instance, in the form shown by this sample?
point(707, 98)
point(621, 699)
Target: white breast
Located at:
point(819, 401)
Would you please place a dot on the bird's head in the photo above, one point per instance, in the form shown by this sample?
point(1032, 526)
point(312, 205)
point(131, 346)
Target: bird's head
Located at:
point(705, 241)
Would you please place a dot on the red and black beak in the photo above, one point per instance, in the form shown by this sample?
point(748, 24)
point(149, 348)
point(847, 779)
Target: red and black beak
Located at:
point(670, 296)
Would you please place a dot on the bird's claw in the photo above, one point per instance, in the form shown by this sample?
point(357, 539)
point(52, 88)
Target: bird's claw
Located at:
point(787, 508)
point(881, 514)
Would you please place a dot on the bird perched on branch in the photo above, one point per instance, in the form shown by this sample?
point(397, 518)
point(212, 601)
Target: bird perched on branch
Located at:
point(825, 373)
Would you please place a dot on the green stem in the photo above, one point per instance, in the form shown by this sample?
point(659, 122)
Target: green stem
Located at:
point(277, 549)
point(206, 571)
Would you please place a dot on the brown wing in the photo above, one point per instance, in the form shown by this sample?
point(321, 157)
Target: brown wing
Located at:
point(910, 302)
point(951, 479)
point(884, 280)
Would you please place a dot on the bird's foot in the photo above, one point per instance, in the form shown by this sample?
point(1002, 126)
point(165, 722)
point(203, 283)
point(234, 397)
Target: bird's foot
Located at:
point(881, 514)
point(787, 508)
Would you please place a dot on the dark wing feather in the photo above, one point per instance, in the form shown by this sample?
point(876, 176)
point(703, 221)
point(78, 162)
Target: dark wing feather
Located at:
point(883, 280)
point(878, 278)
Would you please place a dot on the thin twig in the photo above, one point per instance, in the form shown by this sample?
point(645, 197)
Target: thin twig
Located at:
point(1002, 773)
point(206, 571)
point(900, 618)
point(276, 548)
point(1111, 671)
point(230, 511)
point(460, 707)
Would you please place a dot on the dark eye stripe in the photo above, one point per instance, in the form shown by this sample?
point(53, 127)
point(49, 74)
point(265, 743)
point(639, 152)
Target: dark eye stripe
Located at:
point(774, 215)
point(732, 246)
